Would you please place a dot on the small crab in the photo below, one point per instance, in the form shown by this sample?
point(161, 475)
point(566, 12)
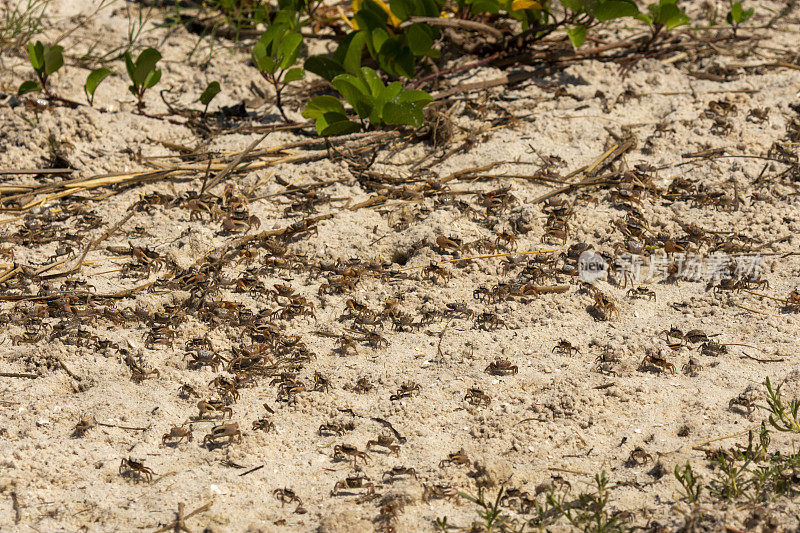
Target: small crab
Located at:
point(437, 491)
point(448, 243)
point(384, 441)
point(696, 336)
point(231, 431)
point(86, 423)
point(476, 396)
point(178, 432)
point(213, 406)
point(747, 400)
point(333, 428)
point(793, 301)
point(264, 424)
point(489, 321)
point(603, 308)
point(641, 292)
point(638, 457)
point(455, 458)
point(673, 332)
point(187, 391)
point(501, 367)
point(434, 272)
point(133, 468)
point(713, 348)
point(565, 347)
point(286, 495)
point(398, 471)
point(321, 383)
point(405, 391)
point(201, 358)
point(362, 386)
point(342, 450)
point(354, 482)
point(507, 240)
point(658, 362)
point(692, 367)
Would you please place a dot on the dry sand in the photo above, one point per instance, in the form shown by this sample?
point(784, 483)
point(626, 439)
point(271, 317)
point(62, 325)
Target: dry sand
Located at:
point(558, 417)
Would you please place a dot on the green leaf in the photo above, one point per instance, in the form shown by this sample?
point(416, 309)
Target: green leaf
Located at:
point(152, 79)
point(212, 90)
point(419, 40)
point(28, 87)
point(402, 9)
point(262, 59)
point(376, 39)
point(259, 56)
point(407, 114)
point(396, 59)
point(387, 94)
point(372, 81)
point(486, 6)
point(93, 80)
point(53, 59)
point(320, 105)
point(355, 92)
point(578, 6)
point(416, 97)
point(289, 49)
point(36, 55)
point(332, 126)
point(330, 116)
point(130, 67)
point(294, 74)
point(355, 49)
point(577, 35)
point(667, 13)
point(145, 66)
point(324, 67)
point(615, 9)
point(738, 14)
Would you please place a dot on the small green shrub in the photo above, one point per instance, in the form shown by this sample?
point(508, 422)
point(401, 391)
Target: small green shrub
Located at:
point(489, 512)
point(371, 100)
point(692, 487)
point(780, 418)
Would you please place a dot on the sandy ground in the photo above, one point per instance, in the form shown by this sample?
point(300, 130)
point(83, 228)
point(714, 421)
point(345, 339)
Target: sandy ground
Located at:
point(561, 416)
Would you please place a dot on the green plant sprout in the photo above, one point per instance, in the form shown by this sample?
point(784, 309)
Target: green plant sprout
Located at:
point(275, 54)
point(664, 15)
point(142, 73)
point(780, 418)
point(45, 60)
point(737, 15)
point(212, 90)
point(489, 512)
point(590, 513)
point(92, 81)
point(689, 482)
